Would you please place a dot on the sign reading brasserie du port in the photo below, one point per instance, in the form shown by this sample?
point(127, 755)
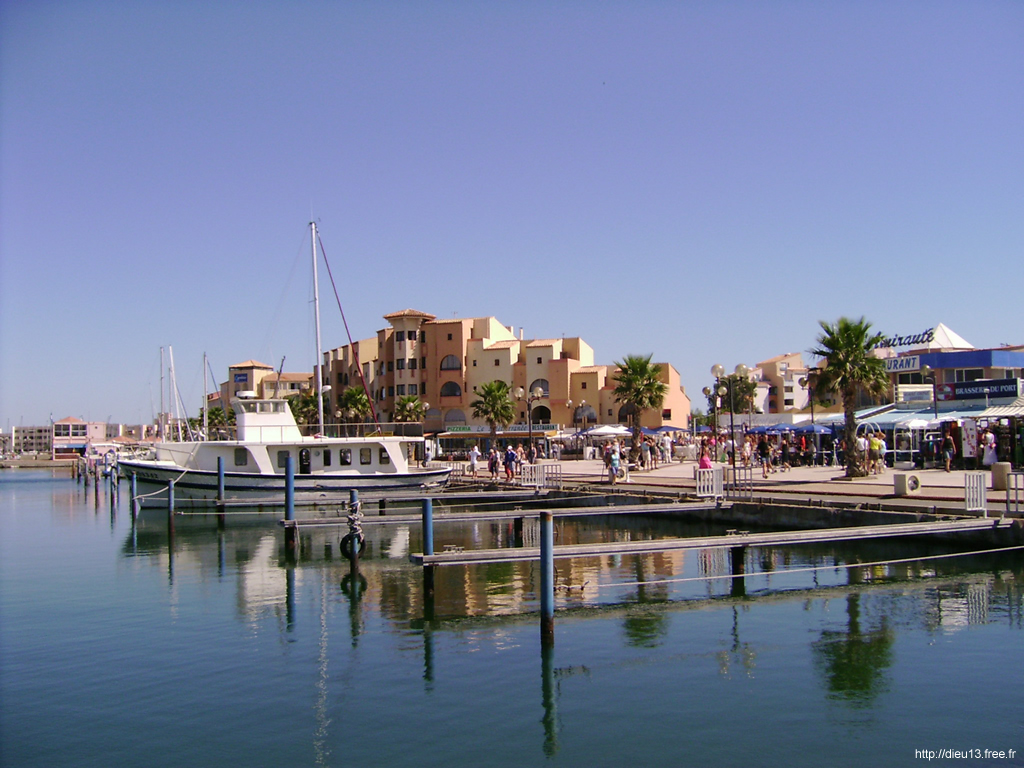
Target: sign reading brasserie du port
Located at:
point(976, 390)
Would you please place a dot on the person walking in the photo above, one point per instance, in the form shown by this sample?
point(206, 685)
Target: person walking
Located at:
point(474, 457)
point(764, 455)
point(948, 450)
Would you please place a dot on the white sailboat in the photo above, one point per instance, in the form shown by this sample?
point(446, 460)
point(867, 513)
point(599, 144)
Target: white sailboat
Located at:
point(252, 467)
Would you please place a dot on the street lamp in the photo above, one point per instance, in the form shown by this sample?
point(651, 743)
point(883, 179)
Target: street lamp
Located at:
point(530, 399)
point(581, 411)
point(741, 371)
point(929, 374)
point(810, 381)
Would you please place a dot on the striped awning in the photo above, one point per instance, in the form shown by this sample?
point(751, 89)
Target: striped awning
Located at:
point(1016, 408)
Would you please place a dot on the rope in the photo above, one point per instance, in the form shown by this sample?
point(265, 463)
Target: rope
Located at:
point(355, 354)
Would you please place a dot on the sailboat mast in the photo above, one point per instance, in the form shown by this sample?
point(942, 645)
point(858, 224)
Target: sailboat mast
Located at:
point(319, 354)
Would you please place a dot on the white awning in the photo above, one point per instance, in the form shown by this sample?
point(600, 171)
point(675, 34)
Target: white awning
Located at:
point(1016, 408)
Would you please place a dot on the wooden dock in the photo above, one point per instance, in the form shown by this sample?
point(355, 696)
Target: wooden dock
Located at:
point(737, 539)
point(407, 518)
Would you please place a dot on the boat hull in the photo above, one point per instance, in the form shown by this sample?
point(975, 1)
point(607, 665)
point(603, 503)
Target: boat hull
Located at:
point(199, 488)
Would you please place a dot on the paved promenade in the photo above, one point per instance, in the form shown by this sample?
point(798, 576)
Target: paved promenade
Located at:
point(941, 489)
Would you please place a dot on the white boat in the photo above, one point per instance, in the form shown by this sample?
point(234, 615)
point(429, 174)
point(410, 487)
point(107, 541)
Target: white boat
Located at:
point(252, 467)
point(254, 464)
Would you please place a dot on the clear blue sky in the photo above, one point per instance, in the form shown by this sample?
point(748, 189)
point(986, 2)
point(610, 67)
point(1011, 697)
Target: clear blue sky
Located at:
point(703, 181)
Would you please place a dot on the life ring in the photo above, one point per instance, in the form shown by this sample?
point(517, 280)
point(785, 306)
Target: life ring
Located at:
point(346, 545)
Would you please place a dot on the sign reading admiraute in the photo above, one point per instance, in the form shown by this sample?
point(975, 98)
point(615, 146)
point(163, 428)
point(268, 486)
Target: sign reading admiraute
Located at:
point(925, 337)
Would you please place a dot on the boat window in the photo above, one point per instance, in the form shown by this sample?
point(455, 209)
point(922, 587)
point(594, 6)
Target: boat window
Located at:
point(249, 407)
point(327, 457)
point(384, 458)
point(345, 457)
point(365, 455)
point(266, 407)
point(241, 457)
point(282, 459)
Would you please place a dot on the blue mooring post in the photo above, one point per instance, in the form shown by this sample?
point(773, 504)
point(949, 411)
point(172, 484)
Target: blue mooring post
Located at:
point(428, 549)
point(547, 579)
point(170, 497)
point(135, 497)
point(220, 478)
point(289, 505)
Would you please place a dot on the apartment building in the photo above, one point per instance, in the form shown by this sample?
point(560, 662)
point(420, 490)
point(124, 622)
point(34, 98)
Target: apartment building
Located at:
point(444, 361)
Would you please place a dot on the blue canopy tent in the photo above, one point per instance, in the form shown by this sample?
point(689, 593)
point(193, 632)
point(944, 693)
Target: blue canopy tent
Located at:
point(813, 429)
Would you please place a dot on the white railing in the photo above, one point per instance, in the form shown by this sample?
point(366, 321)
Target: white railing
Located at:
point(741, 483)
point(710, 483)
point(974, 492)
point(1014, 492)
point(541, 476)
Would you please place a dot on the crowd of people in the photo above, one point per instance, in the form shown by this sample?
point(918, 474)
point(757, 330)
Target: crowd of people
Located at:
point(769, 453)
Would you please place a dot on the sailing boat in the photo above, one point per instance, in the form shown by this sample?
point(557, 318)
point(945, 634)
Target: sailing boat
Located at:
point(252, 467)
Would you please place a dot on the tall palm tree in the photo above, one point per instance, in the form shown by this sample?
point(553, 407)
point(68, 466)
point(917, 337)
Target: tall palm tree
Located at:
point(494, 405)
point(849, 368)
point(409, 408)
point(639, 385)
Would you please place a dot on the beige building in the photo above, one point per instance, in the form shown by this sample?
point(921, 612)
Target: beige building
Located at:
point(443, 363)
point(254, 376)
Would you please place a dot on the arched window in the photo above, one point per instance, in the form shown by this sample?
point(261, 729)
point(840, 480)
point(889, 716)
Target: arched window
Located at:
point(625, 412)
point(455, 417)
point(451, 389)
point(450, 363)
point(541, 415)
point(543, 384)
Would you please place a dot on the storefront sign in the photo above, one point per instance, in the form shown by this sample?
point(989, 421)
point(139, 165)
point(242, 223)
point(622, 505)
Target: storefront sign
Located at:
point(903, 364)
point(978, 390)
point(925, 337)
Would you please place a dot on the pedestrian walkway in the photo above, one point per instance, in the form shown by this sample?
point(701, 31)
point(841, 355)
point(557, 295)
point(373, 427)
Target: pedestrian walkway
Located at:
point(937, 487)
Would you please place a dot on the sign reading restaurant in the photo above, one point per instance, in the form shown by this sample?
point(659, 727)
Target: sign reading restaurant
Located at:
point(925, 337)
point(903, 364)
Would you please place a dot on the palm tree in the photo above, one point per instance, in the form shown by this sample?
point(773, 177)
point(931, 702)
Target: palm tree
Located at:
point(409, 408)
point(494, 406)
point(639, 386)
point(850, 367)
point(353, 404)
point(304, 408)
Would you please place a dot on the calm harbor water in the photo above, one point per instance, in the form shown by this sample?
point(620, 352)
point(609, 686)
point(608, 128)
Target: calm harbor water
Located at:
point(129, 646)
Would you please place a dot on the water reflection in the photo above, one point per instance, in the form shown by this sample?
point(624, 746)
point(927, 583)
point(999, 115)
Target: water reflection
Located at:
point(853, 661)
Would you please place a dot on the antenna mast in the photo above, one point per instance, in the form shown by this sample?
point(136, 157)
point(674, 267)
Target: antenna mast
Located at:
point(319, 354)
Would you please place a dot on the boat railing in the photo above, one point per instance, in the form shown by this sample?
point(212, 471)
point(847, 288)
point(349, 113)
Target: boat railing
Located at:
point(361, 429)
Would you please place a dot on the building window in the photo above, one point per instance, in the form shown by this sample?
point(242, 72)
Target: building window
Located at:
point(666, 413)
point(399, 335)
point(583, 385)
point(474, 363)
point(400, 364)
point(450, 363)
point(413, 389)
point(400, 390)
point(391, 391)
point(451, 389)
point(412, 363)
point(423, 362)
point(497, 361)
point(391, 366)
point(969, 374)
point(449, 337)
point(788, 402)
point(543, 384)
point(540, 360)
